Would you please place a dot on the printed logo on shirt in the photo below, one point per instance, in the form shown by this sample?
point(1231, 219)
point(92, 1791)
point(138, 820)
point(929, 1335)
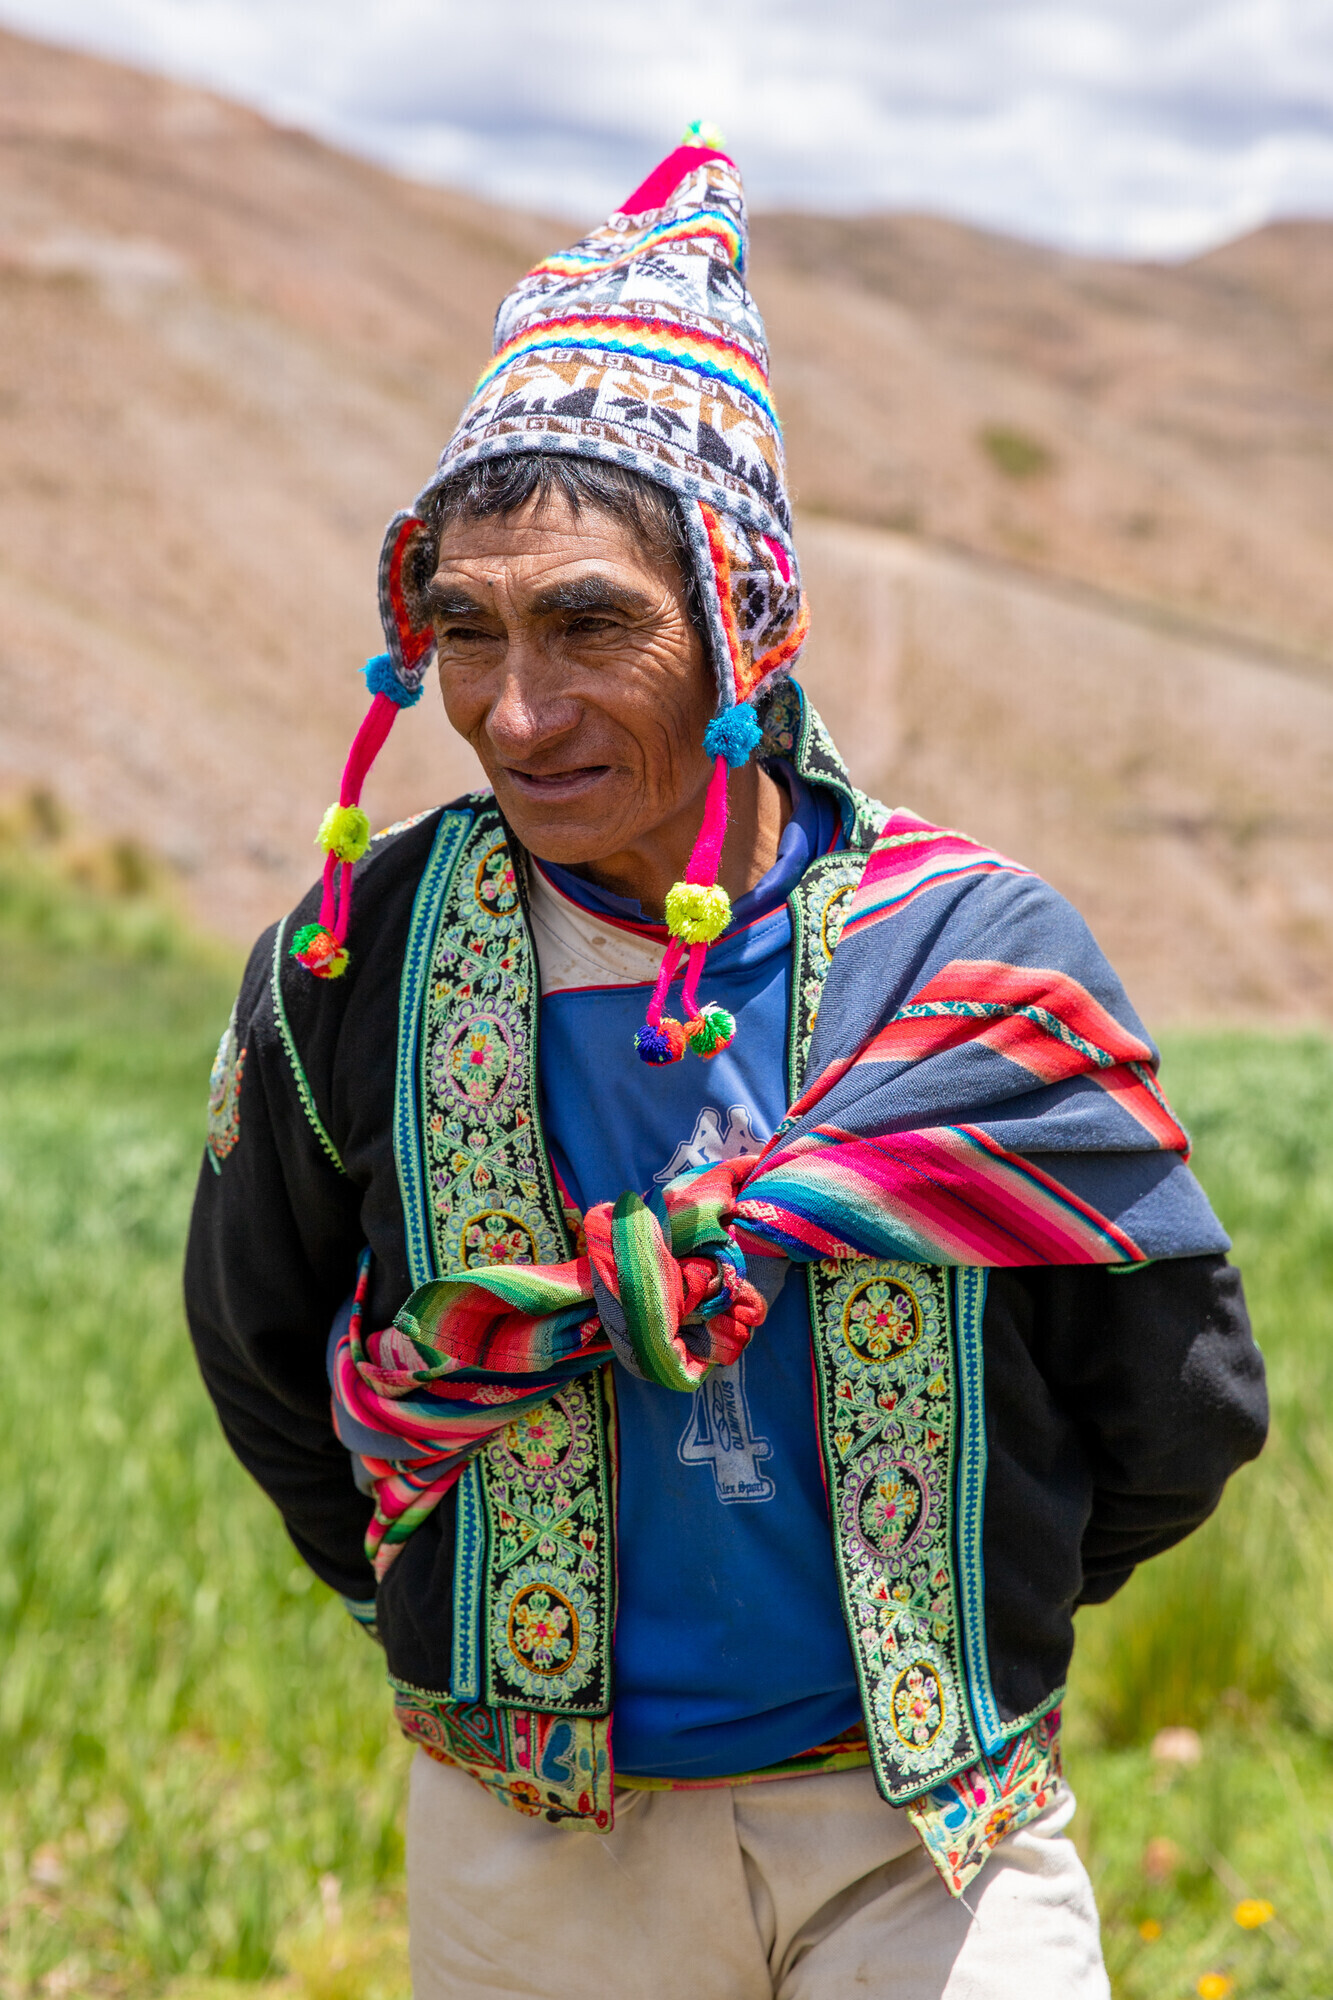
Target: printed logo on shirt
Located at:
point(719, 1433)
point(709, 1143)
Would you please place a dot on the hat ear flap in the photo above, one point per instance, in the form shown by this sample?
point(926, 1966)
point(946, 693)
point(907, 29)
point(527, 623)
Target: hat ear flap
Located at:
point(408, 634)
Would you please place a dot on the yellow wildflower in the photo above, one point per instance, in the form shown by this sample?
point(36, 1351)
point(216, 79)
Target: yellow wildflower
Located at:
point(1252, 1912)
point(1150, 1930)
point(1214, 1986)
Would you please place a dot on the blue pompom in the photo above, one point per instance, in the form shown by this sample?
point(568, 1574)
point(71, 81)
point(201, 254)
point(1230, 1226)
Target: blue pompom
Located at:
point(381, 678)
point(733, 734)
point(654, 1046)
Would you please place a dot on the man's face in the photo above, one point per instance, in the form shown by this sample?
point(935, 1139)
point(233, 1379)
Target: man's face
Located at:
point(568, 661)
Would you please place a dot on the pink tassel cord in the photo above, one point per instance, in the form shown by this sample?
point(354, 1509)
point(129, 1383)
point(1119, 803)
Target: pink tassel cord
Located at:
point(704, 1031)
point(321, 947)
point(706, 856)
point(689, 992)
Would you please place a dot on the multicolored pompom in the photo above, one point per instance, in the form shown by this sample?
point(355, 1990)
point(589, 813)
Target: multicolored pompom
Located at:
point(697, 912)
point(319, 951)
point(712, 1029)
point(344, 832)
point(664, 1043)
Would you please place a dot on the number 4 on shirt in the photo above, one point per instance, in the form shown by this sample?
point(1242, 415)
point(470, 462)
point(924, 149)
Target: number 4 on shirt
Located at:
point(719, 1433)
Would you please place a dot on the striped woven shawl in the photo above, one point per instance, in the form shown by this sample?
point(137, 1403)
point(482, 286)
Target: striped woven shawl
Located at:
point(982, 1093)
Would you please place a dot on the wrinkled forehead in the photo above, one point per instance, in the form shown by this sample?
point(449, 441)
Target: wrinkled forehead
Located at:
point(540, 566)
point(549, 535)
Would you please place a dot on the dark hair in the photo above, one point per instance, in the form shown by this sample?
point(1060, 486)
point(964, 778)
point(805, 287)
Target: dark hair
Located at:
point(501, 486)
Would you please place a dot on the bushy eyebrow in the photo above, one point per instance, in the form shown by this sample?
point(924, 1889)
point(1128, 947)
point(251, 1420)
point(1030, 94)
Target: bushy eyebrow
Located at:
point(443, 602)
point(591, 593)
point(582, 593)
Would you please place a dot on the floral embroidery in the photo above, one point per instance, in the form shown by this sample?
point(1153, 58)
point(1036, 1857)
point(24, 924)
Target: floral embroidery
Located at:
point(961, 1820)
point(224, 1094)
point(884, 1354)
point(546, 1569)
point(835, 914)
point(496, 1237)
point(491, 1195)
point(496, 886)
point(820, 906)
point(541, 1444)
point(891, 1507)
point(880, 1320)
point(477, 1059)
point(542, 1628)
point(545, 1766)
point(534, 1559)
point(916, 1706)
point(884, 1359)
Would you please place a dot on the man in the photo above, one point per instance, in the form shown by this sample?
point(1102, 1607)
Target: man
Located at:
point(733, 1395)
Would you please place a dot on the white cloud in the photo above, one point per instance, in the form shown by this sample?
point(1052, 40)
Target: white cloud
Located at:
point(1148, 126)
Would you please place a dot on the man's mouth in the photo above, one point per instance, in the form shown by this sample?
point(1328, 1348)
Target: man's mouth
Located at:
point(554, 786)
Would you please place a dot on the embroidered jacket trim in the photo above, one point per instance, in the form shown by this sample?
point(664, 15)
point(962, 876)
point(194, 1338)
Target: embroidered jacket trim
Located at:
point(299, 1078)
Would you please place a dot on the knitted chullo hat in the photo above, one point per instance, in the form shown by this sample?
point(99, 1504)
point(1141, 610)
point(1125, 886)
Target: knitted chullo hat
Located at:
point(641, 346)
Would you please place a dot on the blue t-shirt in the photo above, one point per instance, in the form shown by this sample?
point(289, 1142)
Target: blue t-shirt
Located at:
point(730, 1648)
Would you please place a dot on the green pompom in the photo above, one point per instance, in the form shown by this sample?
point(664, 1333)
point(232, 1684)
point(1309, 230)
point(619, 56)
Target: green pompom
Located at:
point(712, 1029)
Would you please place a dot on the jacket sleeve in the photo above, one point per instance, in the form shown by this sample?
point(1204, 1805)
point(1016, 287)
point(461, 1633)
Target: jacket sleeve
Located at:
point(1159, 1372)
point(272, 1254)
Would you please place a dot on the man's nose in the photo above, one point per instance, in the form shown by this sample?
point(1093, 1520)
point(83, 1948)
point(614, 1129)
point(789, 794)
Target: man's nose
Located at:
point(532, 707)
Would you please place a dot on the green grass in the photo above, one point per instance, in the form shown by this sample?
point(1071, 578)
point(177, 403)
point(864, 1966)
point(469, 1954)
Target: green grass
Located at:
point(1232, 1634)
point(191, 1732)
point(199, 1765)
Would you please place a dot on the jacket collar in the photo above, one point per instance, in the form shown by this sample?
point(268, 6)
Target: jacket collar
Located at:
point(793, 729)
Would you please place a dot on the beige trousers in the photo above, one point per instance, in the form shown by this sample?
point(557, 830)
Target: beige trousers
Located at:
point(803, 1889)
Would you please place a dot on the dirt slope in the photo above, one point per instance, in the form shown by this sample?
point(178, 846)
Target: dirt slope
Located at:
point(227, 353)
point(1178, 791)
point(1162, 432)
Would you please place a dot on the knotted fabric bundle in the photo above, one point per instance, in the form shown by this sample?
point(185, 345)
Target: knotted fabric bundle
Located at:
point(965, 1109)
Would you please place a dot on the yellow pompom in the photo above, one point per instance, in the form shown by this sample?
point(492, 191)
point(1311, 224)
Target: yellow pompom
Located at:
point(697, 914)
point(345, 832)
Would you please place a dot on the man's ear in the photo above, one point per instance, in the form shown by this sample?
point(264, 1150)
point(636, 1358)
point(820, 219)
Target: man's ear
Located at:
point(406, 563)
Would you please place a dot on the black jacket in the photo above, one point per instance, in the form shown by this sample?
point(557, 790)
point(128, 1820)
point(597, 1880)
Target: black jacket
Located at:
point(1117, 1405)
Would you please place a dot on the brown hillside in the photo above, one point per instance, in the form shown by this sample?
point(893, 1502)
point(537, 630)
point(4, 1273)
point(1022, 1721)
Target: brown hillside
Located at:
point(228, 352)
point(1161, 431)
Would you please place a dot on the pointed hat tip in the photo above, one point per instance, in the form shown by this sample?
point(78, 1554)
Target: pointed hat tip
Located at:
point(700, 142)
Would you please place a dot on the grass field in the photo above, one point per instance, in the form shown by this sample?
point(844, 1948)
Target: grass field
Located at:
point(201, 1787)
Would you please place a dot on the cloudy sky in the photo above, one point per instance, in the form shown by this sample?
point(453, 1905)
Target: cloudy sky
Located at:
point(1142, 126)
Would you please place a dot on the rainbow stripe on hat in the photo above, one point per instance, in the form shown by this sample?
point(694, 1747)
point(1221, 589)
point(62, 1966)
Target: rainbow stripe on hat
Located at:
point(704, 223)
point(640, 338)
